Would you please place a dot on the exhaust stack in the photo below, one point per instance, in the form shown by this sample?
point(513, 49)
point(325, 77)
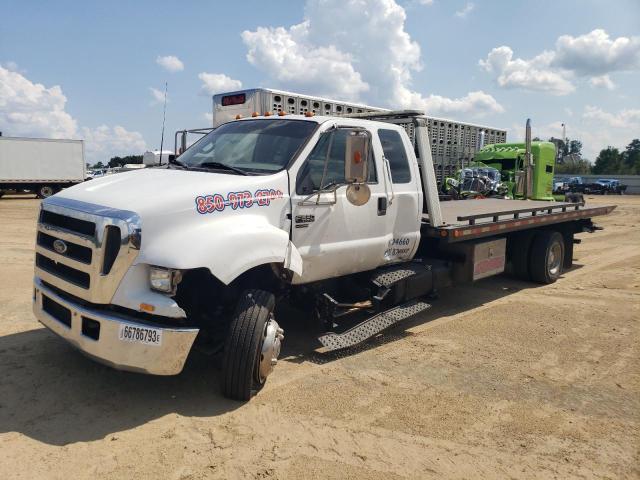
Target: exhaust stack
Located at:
point(528, 170)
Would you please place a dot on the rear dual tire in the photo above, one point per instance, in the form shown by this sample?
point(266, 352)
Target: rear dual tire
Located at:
point(537, 256)
point(547, 257)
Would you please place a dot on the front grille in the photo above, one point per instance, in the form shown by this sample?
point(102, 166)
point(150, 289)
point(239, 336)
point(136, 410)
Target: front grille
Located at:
point(69, 274)
point(57, 311)
point(98, 252)
point(111, 248)
point(76, 252)
point(72, 224)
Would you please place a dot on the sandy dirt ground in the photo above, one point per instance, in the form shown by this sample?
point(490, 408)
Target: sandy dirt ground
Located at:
point(500, 380)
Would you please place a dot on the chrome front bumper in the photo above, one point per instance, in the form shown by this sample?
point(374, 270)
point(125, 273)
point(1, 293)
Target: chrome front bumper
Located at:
point(103, 343)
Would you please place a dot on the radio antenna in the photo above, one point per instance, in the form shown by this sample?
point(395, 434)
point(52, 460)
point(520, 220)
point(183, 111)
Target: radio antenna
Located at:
point(164, 115)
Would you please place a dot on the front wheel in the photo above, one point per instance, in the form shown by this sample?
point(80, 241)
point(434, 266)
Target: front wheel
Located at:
point(252, 346)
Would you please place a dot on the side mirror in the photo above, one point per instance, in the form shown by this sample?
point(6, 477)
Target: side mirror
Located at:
point(356, 155)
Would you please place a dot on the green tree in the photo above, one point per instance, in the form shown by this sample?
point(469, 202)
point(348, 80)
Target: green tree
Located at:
point(98, 165)
point(575, 146)
point(609, 161)
point(631, 158)
point(577, 166)
point(120, 161)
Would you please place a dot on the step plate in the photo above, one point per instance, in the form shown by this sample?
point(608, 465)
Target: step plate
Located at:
point(389, 276)
point(371, 327)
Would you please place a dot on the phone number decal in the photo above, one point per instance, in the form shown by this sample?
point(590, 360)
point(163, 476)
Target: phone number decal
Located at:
point(217, 202)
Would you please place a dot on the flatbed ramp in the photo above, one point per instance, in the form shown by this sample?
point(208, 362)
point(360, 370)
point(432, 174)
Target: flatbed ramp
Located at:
point(466, 219)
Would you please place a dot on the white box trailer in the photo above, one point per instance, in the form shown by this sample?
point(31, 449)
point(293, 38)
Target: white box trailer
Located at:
point(453, 143)
point(40, 165)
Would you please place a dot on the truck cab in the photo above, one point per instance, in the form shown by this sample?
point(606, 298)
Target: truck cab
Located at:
point(131, 268)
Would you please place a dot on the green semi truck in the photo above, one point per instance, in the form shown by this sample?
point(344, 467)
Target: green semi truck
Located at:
point(510, 160)
point(510, 170)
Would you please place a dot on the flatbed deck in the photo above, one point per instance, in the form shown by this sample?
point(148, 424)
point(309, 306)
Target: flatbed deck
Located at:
point(466, 219)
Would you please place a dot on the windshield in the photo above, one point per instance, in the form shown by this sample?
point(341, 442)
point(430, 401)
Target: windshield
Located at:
point(253, 146)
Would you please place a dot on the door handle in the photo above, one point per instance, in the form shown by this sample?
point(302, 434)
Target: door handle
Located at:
point(382, 206)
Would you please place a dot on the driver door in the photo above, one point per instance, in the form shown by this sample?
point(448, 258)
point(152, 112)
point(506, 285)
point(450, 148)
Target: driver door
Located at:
point(334, 236)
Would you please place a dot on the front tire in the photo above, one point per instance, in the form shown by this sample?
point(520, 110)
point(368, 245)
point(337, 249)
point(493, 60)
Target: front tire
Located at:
point(547, 257)
point(252, 345)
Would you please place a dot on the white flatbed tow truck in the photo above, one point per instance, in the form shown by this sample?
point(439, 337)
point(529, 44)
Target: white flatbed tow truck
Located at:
point(336, 214)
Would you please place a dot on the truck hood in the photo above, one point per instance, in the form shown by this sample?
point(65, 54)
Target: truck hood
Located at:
point(167, 192)
point(191, 219)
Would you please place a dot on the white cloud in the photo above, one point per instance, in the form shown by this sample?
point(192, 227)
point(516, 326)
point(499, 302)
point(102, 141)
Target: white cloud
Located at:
point(218, 82)
point(466, 10)
point(170, 63)
point(531, 75)
point(347, 50)
point(104, 142)
point(475, 103)
point(596, 128)
point(157, 96)
point(29, 109)
point(595, 53)
point(603, 81)
point(13, 67)
point(593, 56)
point(208, 116)
point(426, 3)
point(288, 57)
point(624, 119)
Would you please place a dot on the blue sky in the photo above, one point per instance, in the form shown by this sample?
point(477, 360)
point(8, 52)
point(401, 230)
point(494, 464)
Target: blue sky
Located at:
point(86, 69)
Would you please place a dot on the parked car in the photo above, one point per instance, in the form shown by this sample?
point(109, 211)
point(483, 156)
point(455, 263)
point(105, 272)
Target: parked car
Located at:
point(610, 186)
point(560, 186)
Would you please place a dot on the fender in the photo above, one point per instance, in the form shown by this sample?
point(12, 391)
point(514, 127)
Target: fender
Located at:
point(228, 247)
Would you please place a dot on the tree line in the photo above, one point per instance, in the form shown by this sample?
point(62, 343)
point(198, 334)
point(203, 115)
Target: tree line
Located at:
point(610, 160)
point(117, 162)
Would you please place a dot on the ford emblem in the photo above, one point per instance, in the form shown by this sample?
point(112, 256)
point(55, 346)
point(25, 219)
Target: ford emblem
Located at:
point(59, 246)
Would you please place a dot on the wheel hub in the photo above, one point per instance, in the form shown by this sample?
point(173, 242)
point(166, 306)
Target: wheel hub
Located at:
point(272, 341)
point(554, 259)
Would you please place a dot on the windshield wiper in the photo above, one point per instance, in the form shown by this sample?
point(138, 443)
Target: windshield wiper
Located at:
point(222, 166)
point(177, 163)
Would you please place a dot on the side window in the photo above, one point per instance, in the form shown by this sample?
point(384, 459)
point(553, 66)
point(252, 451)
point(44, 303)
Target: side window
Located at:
point(310, 175)
point(394, 152)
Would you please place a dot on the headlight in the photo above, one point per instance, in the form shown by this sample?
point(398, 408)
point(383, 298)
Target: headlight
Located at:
point(164, 280)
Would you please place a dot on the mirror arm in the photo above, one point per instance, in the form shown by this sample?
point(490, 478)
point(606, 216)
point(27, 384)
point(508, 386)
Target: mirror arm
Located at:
point(388, 175)
point(326, 164)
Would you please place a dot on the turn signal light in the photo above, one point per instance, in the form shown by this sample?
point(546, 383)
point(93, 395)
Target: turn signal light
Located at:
point(309, 114)
point(267, 114)
point(146, 307)
point(238, 117)
point(254, 114)
point(281, 114)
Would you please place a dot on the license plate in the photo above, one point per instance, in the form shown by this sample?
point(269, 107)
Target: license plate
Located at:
point(144, 335)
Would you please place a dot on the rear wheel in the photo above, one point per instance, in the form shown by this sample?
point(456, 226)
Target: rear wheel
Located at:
point(519, 246)
point(252, 346)
point(547, 257)
point(45, 191)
